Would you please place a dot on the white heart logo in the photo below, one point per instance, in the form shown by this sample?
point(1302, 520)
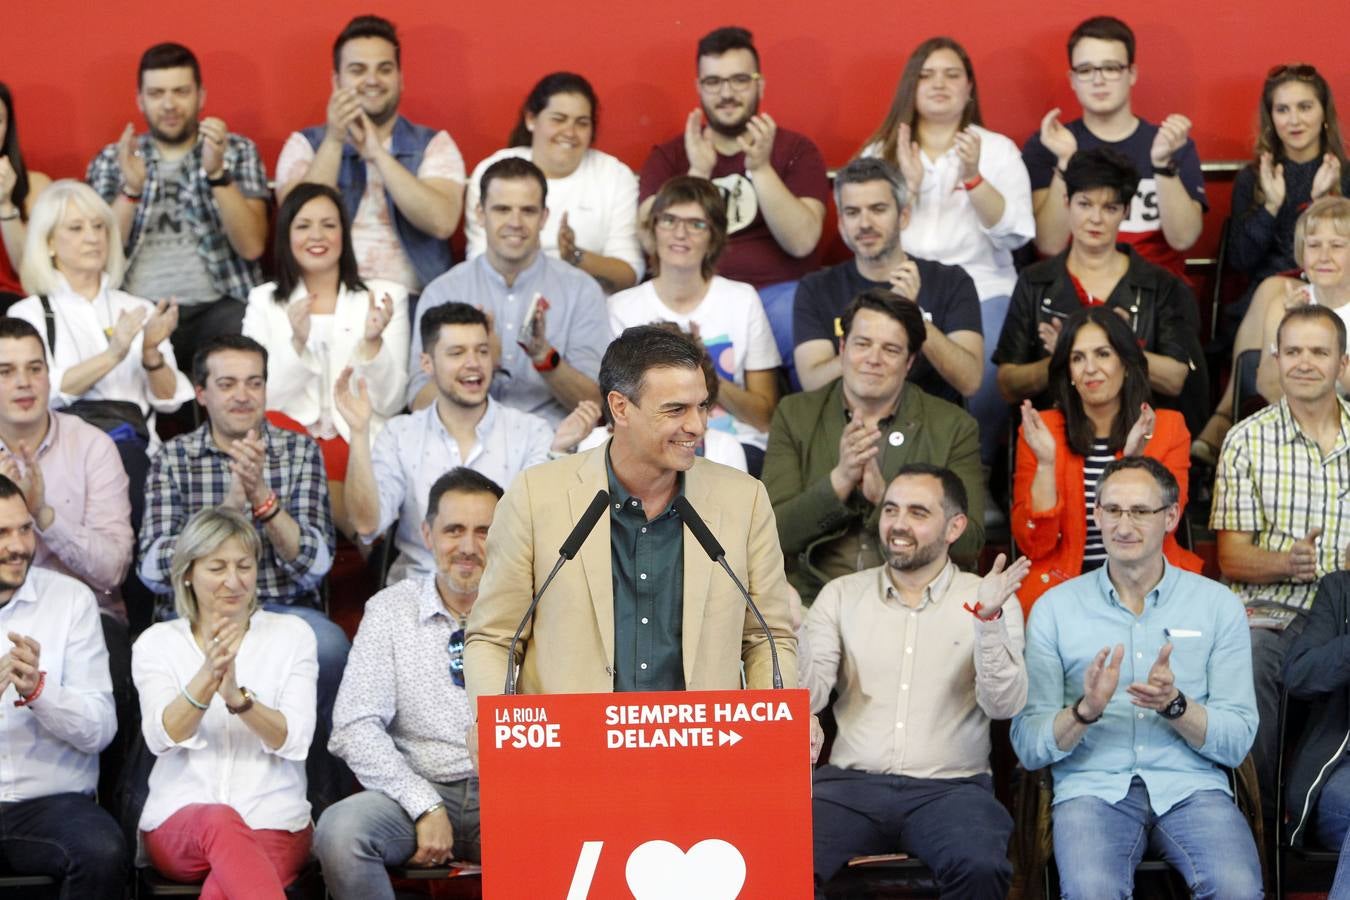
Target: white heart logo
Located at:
point(711, 870)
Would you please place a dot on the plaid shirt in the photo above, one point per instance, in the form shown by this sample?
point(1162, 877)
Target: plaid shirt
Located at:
point(1274, 481)
point(191, 473)
point(232, 275)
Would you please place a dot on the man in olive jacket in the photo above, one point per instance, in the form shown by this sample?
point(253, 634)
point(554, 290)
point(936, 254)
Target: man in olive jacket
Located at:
point(832, 451)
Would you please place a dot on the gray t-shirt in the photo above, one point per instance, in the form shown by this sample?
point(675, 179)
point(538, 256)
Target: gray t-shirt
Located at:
point(166, 263)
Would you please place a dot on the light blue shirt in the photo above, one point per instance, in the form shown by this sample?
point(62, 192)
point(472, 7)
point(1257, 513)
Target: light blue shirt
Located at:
point(1211, 660)
point(577, 325)
point(414, 450)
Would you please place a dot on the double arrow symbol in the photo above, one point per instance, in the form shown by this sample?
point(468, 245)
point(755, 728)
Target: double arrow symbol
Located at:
point(727, 737)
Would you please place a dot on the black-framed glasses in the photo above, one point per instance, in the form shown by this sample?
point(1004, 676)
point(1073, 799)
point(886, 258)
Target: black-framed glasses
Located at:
point(741, 81)
point(1139, 515)
point(456, 650)
point(1110, 71)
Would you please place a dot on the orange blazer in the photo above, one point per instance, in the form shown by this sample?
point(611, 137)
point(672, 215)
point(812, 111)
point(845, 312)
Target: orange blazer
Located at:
point(1055, 539)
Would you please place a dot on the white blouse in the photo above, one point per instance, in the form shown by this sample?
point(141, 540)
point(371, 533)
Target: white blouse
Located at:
point(224, 761)
point(80, 336)
point(302, 386)
point(944, 227)
point(600, 199)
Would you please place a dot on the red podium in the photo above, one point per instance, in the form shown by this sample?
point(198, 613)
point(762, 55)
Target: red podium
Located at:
point(652, 796)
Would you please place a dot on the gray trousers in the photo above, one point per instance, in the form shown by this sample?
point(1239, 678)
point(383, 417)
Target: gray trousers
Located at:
point(357, 837)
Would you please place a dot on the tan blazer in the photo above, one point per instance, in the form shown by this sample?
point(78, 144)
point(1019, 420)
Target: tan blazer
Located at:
point(569, 647)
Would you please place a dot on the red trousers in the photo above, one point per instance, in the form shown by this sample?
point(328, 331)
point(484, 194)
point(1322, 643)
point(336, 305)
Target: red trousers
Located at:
point(211, 840)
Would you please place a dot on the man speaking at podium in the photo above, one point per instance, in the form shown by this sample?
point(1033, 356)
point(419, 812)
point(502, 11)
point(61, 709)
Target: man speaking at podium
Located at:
point(642, 607)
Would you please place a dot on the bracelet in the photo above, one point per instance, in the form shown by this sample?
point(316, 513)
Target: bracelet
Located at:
point(11, 217)
point(975, 611)
point(193, 700)
point(266, 506)
point(1079, 716)
point(276, 511)
point(37, 691)
point(428, 811)
point(973, 183)
point(135, 198)
point(157, 366)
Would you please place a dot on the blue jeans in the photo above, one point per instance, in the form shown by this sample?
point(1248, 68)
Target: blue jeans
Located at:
point(67, 837)
point(955, 825)
point(778, 300)
point(1098, 845)
point(1333, 824)
point(358, 837)
point(988, 406)
point(329, 778)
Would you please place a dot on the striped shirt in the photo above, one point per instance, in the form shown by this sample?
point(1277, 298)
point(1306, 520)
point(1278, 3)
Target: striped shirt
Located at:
point(1274, 482)
point(1094, 550)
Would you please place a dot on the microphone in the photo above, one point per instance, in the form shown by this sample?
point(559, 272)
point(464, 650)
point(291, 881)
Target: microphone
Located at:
point(569, 550)
point(704, 536)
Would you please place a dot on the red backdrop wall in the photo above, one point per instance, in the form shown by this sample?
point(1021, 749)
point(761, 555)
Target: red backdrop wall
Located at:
point(830, 68)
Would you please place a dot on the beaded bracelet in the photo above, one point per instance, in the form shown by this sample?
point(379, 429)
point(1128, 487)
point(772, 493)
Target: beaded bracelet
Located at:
point(193, 700)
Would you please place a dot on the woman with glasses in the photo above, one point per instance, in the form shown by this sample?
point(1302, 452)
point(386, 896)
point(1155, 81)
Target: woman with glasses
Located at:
point(1099, 382)
point(688, 227)
point(592, 197)
point(1299, 159)
point(227, 696)
point(969, 195)
point(19, 188)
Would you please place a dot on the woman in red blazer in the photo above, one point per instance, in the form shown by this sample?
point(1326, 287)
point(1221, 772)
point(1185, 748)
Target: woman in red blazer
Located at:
point(1099, 381)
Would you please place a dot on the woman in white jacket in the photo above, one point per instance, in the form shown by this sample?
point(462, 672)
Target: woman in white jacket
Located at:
point(316, 319)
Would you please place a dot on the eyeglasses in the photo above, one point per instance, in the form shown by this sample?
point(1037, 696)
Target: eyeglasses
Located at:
point(1139, 515)
point(669, 222)
point(741, 81)
point(1111, 71)
point(456, 650)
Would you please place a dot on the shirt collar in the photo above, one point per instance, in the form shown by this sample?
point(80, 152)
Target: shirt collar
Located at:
point(429, 604)
point(525, 276)
point(26, 593)
point(933, 592)
point(1293, 432)
point(1160, 594)
point(620, 497)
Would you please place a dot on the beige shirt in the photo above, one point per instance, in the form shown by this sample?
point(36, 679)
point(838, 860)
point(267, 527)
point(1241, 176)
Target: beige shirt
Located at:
point(917, 687)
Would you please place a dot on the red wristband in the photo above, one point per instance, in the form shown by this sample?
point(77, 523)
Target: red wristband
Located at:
point(975, 611)
point(266, 506)
point(973, 183)
point(37, 691)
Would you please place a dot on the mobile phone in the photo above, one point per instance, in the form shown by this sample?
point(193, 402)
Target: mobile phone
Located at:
point(537, 303)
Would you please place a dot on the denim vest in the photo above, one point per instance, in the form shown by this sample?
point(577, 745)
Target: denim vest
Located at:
point(429, 255)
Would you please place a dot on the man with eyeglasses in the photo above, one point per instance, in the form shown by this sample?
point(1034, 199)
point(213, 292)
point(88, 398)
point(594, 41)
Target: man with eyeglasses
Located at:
point(1166, 703)
point(402, 713)
point(773, 180)
point(1168, 215)
point(1280, 509)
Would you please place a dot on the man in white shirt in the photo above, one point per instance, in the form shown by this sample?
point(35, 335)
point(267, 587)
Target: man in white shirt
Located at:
point(402, 713)
point(56, 715)
point(923, 656)
point(464, 427)
point(401, 183)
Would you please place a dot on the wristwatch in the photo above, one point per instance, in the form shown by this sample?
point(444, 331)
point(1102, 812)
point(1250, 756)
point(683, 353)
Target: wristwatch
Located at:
point(1079, 716)
point(243, 707)
point(1176, 709)
point(550, 362)
point(576, 255)
point(225, 178)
